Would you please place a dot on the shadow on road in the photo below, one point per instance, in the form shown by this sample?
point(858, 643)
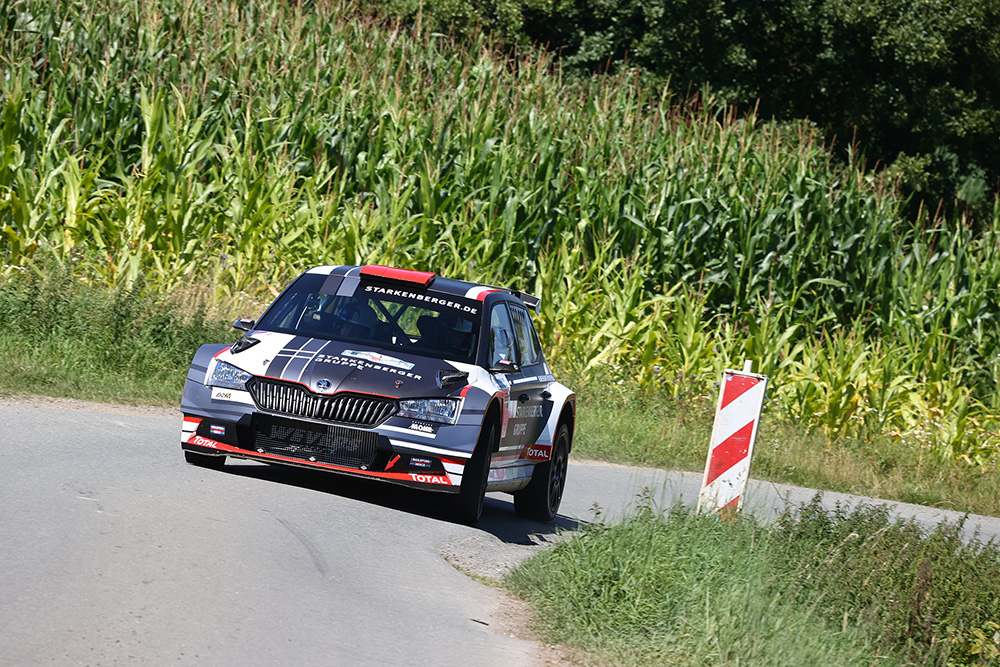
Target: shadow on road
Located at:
point(498, 517)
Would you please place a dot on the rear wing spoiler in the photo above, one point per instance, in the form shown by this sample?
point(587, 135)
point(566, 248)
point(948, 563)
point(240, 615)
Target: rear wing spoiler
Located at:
point(532, 302)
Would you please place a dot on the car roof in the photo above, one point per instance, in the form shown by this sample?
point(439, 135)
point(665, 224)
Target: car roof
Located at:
point(424, 280)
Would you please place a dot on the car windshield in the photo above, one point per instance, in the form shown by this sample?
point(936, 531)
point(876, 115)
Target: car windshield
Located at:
point(440, 327)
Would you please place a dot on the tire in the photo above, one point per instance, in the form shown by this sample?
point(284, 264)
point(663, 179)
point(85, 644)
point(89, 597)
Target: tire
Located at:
point(541, 498)
point(472, 493)
point(205, 460)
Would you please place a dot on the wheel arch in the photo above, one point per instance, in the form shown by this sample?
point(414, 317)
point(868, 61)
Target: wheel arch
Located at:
point(493, 411)
point(567, 416)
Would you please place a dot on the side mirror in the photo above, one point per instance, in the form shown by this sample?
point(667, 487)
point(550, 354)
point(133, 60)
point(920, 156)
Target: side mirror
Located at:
point(243, 324)
point(505, 366)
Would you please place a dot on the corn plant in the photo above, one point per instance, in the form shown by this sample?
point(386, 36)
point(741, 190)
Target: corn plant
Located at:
point(235, 144)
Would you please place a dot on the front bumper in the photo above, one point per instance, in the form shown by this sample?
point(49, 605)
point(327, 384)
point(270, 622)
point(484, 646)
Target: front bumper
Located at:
point(399, 450)
point(330, 448)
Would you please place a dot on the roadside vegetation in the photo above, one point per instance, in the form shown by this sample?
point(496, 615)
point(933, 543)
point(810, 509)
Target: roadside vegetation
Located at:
point(214, 152)
point(61, 336)
point(168, 166)
point(817, 587)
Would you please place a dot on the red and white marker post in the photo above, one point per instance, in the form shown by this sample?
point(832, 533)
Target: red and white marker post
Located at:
point(741, 399)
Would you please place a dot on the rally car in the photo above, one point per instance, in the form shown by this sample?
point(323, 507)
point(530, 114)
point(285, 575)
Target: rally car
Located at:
point(391, 374)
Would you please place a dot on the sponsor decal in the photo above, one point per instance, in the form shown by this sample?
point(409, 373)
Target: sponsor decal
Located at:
point(367, 365)
point(519, 429)
point(528, 411)
point(222, 394)
point(538, 452)
point(203, 442)
point(376, 358)
point(374, 289)
point(217, 429)
point(430, 479)
point(420, 463)
point(423, 428)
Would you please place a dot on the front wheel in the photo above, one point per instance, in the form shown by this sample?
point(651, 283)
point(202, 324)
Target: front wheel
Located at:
point(541, 498)
point(472, 493)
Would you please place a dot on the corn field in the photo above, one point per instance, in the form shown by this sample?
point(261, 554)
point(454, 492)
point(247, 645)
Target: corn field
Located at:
point(232, 144)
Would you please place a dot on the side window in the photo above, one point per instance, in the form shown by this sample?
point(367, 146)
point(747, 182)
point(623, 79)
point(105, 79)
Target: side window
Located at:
point(501, 335)
point(527, 339)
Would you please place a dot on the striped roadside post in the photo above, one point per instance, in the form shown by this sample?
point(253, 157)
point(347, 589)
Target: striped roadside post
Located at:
point(733, 433)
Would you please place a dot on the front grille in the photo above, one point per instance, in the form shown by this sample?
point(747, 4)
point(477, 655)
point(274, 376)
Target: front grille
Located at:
point(309, 441)
point(297, 401)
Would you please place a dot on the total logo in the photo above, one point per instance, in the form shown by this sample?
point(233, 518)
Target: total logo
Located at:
point(203, 442)
point(430, 479)
point(538, 452)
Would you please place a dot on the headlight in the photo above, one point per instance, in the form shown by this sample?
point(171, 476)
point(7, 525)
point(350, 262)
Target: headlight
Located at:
point(228, 376)
point(441, 410)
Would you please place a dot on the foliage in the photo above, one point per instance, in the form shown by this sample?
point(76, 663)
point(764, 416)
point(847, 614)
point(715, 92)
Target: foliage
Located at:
point(847, 586)
point(126, 345)
point(917, 592)
point(976, 645)
point(915, 83)
point(233, 145)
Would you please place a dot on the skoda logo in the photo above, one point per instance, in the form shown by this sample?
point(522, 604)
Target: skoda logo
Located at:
point(323, 385)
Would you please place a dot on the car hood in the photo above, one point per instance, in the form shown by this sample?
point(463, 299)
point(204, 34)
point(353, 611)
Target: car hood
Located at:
point(329, 366)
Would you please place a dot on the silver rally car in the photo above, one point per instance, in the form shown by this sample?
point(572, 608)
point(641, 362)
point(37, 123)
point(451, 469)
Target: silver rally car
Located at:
point(391, 374)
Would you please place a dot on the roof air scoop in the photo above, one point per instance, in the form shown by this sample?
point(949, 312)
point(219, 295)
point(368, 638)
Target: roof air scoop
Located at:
point(244, 343)
point(421, 278)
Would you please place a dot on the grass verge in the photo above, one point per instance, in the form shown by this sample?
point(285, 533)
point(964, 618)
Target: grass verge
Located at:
point(817, 587)
point(60, 337)
point(622, 423)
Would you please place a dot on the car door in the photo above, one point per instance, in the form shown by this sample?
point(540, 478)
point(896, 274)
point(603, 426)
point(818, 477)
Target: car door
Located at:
point(529, 388)
point(502, 347)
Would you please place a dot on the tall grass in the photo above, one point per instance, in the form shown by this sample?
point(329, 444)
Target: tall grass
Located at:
point(818, 587)
point(235, 143)
point(126, 345)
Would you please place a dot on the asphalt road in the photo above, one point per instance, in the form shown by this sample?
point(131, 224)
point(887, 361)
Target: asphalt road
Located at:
point(113, 551)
